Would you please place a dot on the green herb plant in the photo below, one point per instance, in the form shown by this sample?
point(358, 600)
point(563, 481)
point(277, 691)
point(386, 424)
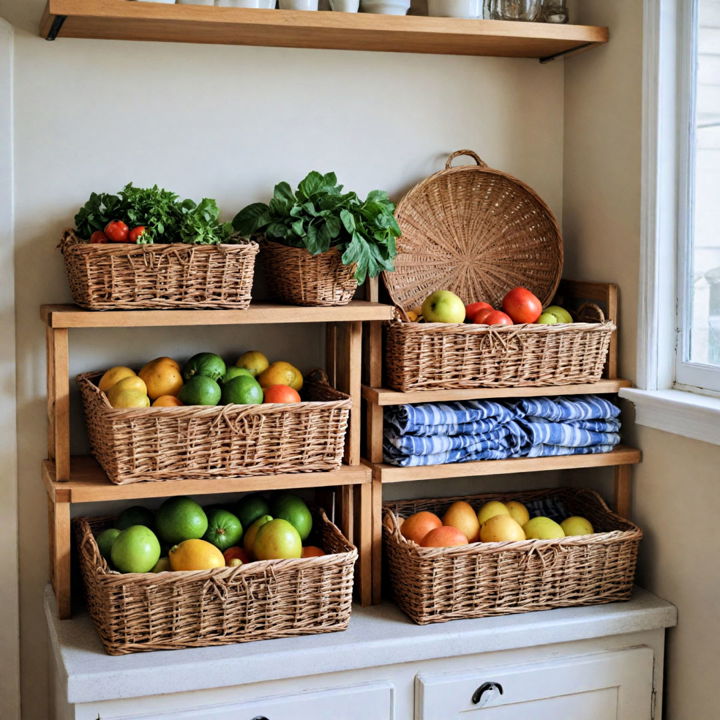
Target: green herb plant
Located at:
point(319, 216)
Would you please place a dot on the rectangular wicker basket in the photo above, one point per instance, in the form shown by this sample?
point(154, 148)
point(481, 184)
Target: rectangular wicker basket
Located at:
point(268, 599)
point(440, 584)
point(196, 442)
point(126, 276)
point(449, 356)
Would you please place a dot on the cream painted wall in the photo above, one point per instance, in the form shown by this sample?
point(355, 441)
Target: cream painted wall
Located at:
point(226, 122)
point(677, 496)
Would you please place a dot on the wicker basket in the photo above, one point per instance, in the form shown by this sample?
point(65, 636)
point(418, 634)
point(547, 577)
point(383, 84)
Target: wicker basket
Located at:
point(117, 276)
point(481, 579)
point(195, 442)
point(295, 276)
point(261, 600)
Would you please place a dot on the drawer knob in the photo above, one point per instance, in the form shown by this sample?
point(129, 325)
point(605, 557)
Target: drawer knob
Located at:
point(484, 688)
point(259, 717)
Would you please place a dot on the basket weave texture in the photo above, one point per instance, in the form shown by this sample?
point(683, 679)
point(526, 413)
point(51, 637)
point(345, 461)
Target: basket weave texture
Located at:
point(261, 600)
point(481, 579)
point(295, 276)
point(196, 442)
point(122, 275)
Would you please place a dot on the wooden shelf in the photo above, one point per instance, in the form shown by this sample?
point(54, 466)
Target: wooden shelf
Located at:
point(72, 316)
point(89, 483)
point(122, 20)
point(620, 456)
point(384, 397)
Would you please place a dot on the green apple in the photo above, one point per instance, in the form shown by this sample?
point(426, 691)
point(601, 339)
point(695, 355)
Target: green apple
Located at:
point(577, 525)
point(443, 306)
point(542, 528)
point(562, 315)
point(135, 550)
point(547, 318)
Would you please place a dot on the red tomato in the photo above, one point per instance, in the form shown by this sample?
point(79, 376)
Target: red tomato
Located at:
point(236, 552)
point(98, 237)
point(473, 308)
point(281, 394)
point(497, 317)
point(522, 306)
point(136, 233)
point(117, 231)
point(479, 317)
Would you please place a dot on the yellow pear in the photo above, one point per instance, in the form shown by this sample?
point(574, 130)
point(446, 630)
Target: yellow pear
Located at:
point(128, 384)
point(577, 525)
point(518, 512)
point(461, 516)
point(114, 375)
point(490, 509)
point(501, 528)
point(543, 528)
point(129, 399)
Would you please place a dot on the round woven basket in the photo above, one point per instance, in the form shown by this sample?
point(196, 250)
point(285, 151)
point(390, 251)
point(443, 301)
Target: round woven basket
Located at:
point(475, 231)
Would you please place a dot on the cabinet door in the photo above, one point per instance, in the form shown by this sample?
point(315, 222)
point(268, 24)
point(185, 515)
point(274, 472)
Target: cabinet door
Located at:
point(602, 686)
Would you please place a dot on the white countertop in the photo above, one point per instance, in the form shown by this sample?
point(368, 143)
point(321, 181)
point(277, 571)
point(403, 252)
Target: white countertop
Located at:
point(380, 635)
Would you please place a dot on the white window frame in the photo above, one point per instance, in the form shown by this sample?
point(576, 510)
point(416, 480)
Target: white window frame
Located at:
point(668, 397)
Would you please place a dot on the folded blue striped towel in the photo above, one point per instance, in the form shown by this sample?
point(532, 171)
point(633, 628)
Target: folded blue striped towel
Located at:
point(565, 409)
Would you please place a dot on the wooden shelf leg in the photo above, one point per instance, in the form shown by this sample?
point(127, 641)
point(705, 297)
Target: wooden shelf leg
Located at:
point(347, 516)
point(349, 362)
point(374, 427)
point(58, 386)
point(363, 541)
point(623, 490)
point(59, 527)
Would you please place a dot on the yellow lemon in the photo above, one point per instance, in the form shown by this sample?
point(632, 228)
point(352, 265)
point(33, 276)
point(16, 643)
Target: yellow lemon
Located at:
point(518, 512)
point(253, 361)
point(166, 401)
point(162, 377)
point(114, 375)
point(281, 373)
point(543, 528)
point(128, 399)
point(490, 509)
point(195, 555)
point(133, 383)
point(501, 528)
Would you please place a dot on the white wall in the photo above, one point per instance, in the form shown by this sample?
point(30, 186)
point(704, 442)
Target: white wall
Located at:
point(226, 122)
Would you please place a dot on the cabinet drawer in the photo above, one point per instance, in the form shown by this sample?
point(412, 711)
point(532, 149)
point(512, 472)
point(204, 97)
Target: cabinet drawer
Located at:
point(602, 686)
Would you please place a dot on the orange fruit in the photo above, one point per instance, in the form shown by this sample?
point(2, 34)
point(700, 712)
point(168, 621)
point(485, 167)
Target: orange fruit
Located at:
point(195, 555)
point(417, 526)
point(162, 377)
point(445, 536)
point(312, 551)
point(460, 515)
point(167, 401)
point(280, 394)
point(281, 373)
point(236, 553)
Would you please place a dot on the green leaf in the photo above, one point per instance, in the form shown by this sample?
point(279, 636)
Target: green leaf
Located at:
point(313, 183)
point(251, 219)
point(284, 193)
point(348, 221)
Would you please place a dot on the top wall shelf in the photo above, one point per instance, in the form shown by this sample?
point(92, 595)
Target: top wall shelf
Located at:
point(124, 20)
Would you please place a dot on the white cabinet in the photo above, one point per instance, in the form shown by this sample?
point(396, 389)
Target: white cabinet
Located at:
point(602, 686)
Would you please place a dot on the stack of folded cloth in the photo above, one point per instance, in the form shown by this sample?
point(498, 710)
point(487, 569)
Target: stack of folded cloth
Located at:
point(437, 433)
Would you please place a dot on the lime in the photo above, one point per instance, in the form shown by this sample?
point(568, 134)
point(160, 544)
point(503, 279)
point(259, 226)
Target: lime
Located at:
point(233, 372)
point(243, 390)
point(277, 540)
point(200, 390)
point(135, 550)
point(293, 509)
point(135, 515)
point(250, 508)
point(181, 518)
point(105, 541)
point(224, 529)
point(206, 364)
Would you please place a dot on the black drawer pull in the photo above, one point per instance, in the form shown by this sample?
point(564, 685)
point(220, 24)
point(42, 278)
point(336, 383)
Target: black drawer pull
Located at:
point(477, 695)
point(259, 717)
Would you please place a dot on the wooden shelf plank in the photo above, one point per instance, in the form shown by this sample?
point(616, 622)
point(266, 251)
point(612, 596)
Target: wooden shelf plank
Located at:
point(122, 20)
point(72, 316)
point(89, 483)
point(620, 456)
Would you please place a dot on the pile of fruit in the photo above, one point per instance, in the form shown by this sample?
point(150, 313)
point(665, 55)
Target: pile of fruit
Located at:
point(182, 535)
point(495, 521)
point(205, 379)
point(519, 306)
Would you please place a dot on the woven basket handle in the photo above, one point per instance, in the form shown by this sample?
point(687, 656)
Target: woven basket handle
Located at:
point(470, 153)
point(595, 309)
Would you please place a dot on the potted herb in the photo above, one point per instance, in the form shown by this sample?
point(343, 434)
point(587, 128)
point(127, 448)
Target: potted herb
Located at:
point(319, 242)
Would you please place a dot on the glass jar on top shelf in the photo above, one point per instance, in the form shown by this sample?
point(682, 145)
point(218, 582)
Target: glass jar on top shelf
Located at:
point(555, 11)
point(526, 10)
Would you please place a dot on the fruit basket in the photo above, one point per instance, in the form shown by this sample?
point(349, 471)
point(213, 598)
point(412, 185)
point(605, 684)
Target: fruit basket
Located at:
point(498, 578)
point(136, 612)
point(196, 442)
point(128, 276)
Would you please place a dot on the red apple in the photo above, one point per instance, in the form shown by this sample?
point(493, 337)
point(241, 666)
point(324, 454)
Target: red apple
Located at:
point(497, 317)
point(522, 306)
point(473, 308)
point(479, 317)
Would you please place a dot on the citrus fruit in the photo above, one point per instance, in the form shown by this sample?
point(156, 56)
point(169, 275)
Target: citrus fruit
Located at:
point(281, 373)
point(236, 553)
point(501, 528)
point(135, 515)
point(281, 394)
point(444, 536)
point(200, 390)
point(162, 377)
point(224, 529)
point(243, 390)
point(233, 372)
point(250, 508)
point(113, 376)
point(167, 401)
point(293, 509)
point(577, 525)
point(135, 550)
point(205, 364)
point(195, 554)
point(417, 526)
point(180, 518)
point(518, 512)
point(162, 565)
point(254, 361)
point(489, 509)
point(105, 541)
point(460, 515)
point(277, 540)
point(128, 384)
point(252, 531)
point(543, 528)
point(312, 551)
